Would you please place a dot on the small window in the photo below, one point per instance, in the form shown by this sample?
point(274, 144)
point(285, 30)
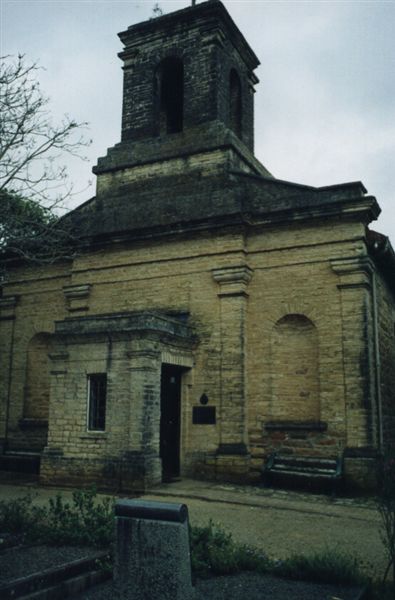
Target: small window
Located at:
point(97, 394)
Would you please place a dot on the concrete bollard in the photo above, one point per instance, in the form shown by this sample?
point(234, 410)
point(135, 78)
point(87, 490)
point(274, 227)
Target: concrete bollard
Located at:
point(152, 560)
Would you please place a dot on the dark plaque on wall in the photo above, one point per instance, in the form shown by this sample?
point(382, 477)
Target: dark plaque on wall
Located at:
point(203, 415)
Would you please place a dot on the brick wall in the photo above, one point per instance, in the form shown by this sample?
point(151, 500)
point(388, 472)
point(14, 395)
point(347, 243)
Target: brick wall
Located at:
point(386, 333)
point(291, 351)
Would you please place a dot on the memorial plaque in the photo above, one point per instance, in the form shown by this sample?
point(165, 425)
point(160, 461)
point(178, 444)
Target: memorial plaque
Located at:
point(203, 415)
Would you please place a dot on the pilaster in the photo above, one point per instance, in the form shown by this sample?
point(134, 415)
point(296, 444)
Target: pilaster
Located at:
point(233, 296)
point(358, 349)
point(7, 324)
point(144, 417)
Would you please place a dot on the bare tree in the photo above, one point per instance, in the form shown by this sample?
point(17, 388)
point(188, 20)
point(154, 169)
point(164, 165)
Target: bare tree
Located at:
point(33, 181)
point(32, 232)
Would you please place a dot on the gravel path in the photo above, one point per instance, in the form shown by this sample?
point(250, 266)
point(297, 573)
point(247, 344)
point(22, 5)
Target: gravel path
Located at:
point(18, 562)
point(249, 586)
point(282, 524)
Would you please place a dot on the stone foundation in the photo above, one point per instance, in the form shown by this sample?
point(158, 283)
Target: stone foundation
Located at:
point(133, 472)
point(233, 468)
point(360, 469)
point(302, 438)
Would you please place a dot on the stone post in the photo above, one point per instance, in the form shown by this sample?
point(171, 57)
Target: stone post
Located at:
point(232, 453)
point(152, 551)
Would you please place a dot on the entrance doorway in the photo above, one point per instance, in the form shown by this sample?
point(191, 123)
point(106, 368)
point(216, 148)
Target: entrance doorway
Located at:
point(170, 421)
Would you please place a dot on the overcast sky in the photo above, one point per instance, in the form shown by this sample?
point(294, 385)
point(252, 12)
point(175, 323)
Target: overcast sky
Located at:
point(325, 105)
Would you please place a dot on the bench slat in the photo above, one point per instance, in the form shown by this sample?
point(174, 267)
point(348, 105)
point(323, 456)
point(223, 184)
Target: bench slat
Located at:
point(307, 468)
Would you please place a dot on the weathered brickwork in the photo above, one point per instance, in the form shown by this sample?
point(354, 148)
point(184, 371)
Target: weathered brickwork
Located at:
point(386, 352)
point(267, 300)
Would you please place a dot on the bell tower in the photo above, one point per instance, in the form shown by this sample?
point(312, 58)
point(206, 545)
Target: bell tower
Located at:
point(191, 67)
point(188, 89)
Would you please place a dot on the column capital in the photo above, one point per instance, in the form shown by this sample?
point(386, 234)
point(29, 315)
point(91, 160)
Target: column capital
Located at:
point(7, 307)
point(233, 280)
point(144, 360)
point(354, 271)
point(77, 296)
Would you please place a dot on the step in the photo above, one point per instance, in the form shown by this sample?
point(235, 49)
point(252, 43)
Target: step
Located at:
point(308, 461)
point(10, 477)
point(85, 568)
point(70, 587)
point(305, 474)
point(311, 467)
point(20, 462)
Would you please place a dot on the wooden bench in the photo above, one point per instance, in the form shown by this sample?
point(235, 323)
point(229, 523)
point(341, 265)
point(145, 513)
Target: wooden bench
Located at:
point(314, 473)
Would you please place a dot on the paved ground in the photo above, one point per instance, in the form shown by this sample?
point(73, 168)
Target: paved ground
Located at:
point(279, 522)
point(283, 523)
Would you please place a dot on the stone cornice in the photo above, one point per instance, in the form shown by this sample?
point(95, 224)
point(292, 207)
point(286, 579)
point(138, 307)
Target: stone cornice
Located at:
point(124, 324)
point(143, 353)
point(192, 16)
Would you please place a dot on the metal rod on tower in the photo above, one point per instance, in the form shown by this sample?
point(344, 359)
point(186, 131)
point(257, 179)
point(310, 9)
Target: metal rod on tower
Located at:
point(193, 2)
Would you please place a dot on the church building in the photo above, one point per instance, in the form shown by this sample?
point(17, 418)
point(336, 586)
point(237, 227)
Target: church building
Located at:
point(213, 315)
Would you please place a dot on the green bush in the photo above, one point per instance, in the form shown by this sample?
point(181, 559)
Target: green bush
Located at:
point(84, 521)
point(215, 553)
point(87, 521)
point(20, 516)
point(329, 566)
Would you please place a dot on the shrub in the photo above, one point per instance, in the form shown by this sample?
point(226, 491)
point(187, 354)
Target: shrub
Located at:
point(386, 507)
point(84, 521)
point(87, 521)
point(14, 514)
point(214, 552)
point(19, 516)
point(329, 566)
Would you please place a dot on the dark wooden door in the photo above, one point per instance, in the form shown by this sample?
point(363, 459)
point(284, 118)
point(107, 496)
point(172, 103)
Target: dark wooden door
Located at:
point(170, 408)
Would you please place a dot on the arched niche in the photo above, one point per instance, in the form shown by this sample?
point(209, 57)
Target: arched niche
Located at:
point(295, 369)
point(36, 402)
point(170, 95)
point(235, 102)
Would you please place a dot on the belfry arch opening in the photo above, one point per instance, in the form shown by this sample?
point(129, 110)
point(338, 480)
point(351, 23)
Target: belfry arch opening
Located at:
point(171, 95)
point(235, 103)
